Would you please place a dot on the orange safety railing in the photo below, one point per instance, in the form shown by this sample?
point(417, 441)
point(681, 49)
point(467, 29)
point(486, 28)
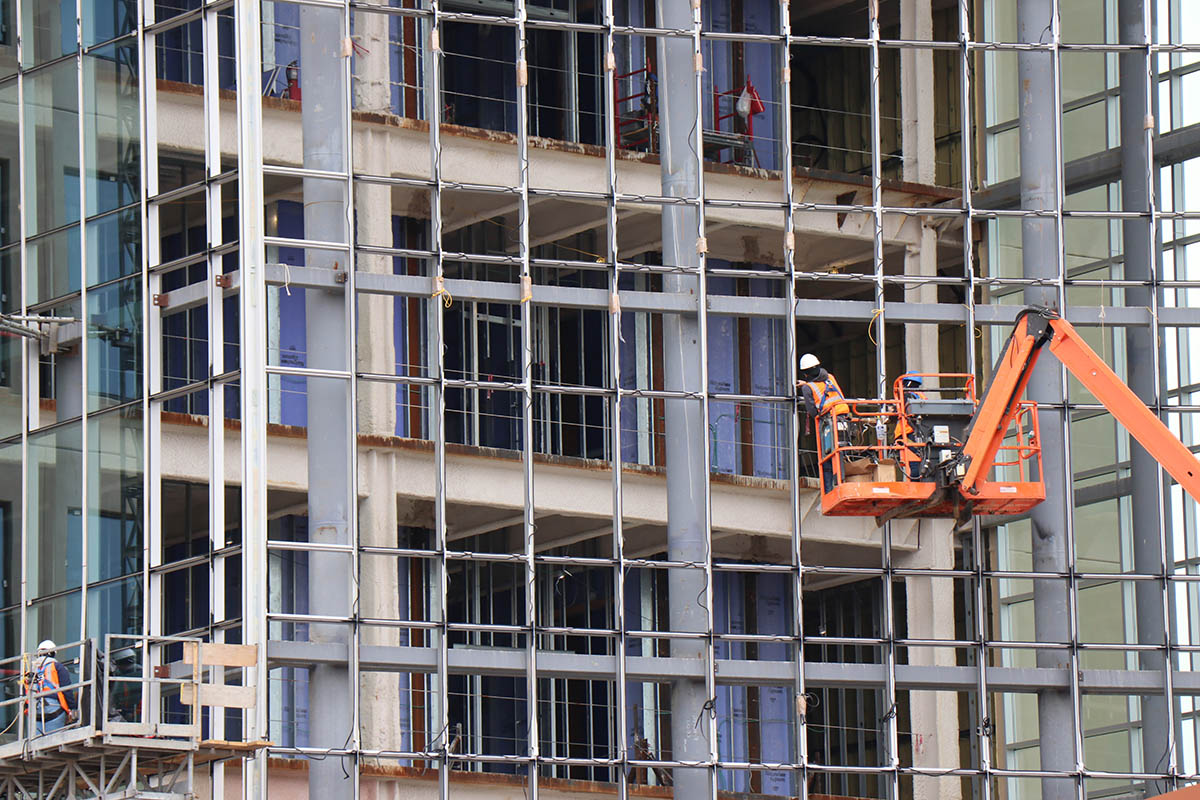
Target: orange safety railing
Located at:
point(1026, 453)
point(877, 457)
point(842, 437)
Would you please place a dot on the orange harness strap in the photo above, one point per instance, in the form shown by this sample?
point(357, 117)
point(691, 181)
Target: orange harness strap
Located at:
point(62, 700)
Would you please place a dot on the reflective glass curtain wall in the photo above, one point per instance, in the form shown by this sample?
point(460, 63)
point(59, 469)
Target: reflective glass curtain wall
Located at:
point(71, 244)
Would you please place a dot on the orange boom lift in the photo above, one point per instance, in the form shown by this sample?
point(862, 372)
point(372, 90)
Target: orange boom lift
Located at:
point(954, 455)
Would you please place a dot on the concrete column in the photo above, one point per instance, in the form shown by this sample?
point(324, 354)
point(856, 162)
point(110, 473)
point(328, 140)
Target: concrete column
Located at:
point(933, 716)
point(379, 724)
point(929, 608)
point(1041, 259)
point(687, 536)
point(919, 147)
point(1138, 237)
point(323, 90)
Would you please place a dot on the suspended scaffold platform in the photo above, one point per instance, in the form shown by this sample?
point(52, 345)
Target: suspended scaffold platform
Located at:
point(133, 718)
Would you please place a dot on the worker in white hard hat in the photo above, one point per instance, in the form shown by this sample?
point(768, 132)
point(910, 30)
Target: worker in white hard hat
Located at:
point(52, 706)
point(823, 401)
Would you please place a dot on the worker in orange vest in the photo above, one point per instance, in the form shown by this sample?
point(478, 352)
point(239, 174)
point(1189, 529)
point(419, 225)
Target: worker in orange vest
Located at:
point(823, 401)
point(51, 709)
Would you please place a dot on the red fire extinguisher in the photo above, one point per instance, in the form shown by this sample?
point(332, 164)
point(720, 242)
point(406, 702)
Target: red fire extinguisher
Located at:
point(293, 81)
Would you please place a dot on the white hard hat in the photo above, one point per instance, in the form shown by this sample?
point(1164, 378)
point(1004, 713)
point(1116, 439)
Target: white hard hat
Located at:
point(808, 361)
point(47, 647)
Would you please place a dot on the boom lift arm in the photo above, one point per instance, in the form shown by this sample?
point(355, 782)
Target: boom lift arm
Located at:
point(1037, 327)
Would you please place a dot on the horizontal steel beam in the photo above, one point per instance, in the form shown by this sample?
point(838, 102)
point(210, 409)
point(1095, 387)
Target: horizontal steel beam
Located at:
point(815, 309)
point(512, 663)
point(1098, 169)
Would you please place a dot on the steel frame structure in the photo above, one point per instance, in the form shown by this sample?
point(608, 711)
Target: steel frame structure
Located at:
point(988, 674)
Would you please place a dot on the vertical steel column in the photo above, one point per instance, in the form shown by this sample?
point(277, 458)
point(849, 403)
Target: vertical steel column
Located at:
point(687, 475)
point(350, 354)
point(210, 33)
point(29, 352)
point(323, 90)
point(87, 487)
point(1147, 527)
point(982, 719)
point(151, 339)
point(1042, 260)
point(253, 302)
point(438, 718)
point(620, 647)
point(889, 757)
point(799, 746)
point(528, 337)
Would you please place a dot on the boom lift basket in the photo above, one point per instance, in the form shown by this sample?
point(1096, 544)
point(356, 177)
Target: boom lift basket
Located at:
point(902, 457)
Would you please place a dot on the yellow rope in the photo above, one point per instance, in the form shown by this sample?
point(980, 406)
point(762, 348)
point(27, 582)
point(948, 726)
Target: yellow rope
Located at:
point(447, 298)
point(871, 325)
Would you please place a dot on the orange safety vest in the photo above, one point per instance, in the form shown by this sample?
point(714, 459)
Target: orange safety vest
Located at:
point(827, 394)
point(47, 678)
point(903, 426)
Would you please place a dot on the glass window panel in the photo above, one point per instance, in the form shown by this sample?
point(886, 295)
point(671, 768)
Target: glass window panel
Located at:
point(10, 188)
point(1085, 132)
point(115, 344)
point(10, 529)
point(55, 543)
point(1083, 74)
point(107, 19)
point(1101, 534)
point(1001, 69)
point(1082, 21)
point(115, 486)
point(1094, 443)
point(8, 37)
point(52, 266)
point(60, 380)
point(1190, 111)
point(10, 645)
point(115, 607)
point(112, 127)
point(11, 386)
point(114, 244)
point(48, 28)
point(51, 148)
point(185, 602)
point(56, 619)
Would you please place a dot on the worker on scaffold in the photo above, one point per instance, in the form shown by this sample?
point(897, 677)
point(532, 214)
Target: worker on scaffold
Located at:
point(52, 706)
point(821, 394)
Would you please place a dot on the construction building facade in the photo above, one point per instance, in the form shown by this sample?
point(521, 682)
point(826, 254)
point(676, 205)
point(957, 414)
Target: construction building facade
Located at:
point(445, 353)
